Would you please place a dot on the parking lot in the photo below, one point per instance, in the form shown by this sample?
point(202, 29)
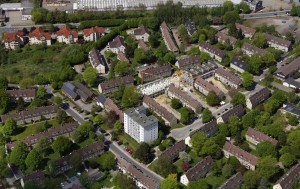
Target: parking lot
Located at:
point(15, 19)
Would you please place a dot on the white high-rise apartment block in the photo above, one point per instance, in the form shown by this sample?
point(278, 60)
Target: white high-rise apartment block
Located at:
point(140, 127)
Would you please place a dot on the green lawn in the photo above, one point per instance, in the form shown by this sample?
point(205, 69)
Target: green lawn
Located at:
point(30, 129)
point(131, 142)
point(86, 142)
point(178, 125)
point(178, 165)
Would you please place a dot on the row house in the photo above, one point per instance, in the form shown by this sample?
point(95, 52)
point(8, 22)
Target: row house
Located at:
point(26, 94)
point(228, 78)
point(172, 153)
point(167, 116)
point(223, 38)
point(255, 137)
point(168, 39)
point(278, 43)
point(141, 180)
point(213, 51)
point(38, 36)
point(117, 45)
point(247, 32)
point(258, 97)
point(198, 171)
point(141, 33)
point(143, 45)
point(13, 40)
point(292, 83)
point(184, 97)
point(66, 35)
point(205, 70)
point(63, 164)
point(187, 61)
point(37, 177)
point(156, 72)
point(114, 84)
point(52, 134)
point(98, 61)
point(238, 111)
point(209, 128)
point(250, 50)
point(93, 33)
point(289, 179)
point(245, 158)
point(205, 87)
point(288, 70)
point(31, 115)
point(122, 57)
point(235, 181)
point(76, 91)
point(109, 105)
point(238, 64)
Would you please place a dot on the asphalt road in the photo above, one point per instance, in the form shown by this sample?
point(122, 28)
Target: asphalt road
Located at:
point(264, 14)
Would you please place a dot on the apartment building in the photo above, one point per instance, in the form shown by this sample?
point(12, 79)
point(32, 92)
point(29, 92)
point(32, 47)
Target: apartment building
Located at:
point(38, 36)
point(238, 64)
point(93, 33)
point(66, 35)
point(288, 179)
point(184, 97)
point(187, 61)
point(172, 153)
point(198, 171)
point(140, 127)
point(98, 61)
point(278, 43)
point(258, 97)
point(245, 158)
point(213, 51)
point(228, 78)
point(233, 182)
point(238, 111)
point(31, 115)
point(27, 94)
point(223, 38)
point(288, 70)
point(13, 40)
point(247, 32)
point(114, 84)
point(116, 45)
point(255, 137)
point(205, 87)
point(168, 39)
point(155, 72)
point(141, 33)
point(249, 49)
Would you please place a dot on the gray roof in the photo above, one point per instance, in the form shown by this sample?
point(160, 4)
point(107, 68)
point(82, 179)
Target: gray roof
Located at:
point(233, 182)
point(292, 109)
point(139, 116)
point(289, 179)
point(239, 63)
point(101, 99)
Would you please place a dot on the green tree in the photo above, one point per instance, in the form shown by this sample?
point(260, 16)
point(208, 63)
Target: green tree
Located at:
point(260, 40)
point(75, 161)
point(122, 68)
point(212, 99)
point(184, 115)
point(175, 103)
point(292, 119)
point(3, 82)
point(238, 98)
point(4, 101)
point(61, 145)
point(26, 83)
point(170, 58)
point(247, 80)
point(61, 116)
point(245, 8)
point(231, 17)
point(227, 170)
point(58, 101)
point(170, 182)
point(234, 125)
point(185, 157)
point(207, 115)
point(143, 153)
point(107, 161)
point(123, 180)
point(210, 148)
point(266, 148)
point(130, 97)
point(154, 39)
point(164, 167)
point(43, 146)
point(251, 179)
point(199, 184)
point(267, 167)
point(90, 76)
point(33, 160)
point(288, 160)
point(198, 141)
point(10, 127)
point(18, 155)
point(98, 119)
point(4, 170)
point(41, 93)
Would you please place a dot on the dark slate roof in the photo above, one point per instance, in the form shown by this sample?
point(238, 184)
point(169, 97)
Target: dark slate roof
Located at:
point(260, 96)
point(96, 58)
point(289, 179)
point(239, 63)
point(37, 177)
point(293, 82)
point(21, 93)
point(173, 152)
point(200, 169)
point(101, 99)
point(292, 109)
point(289, 69)
point(209, 128)
point(190, 26)
point(238, 111)
point(233, 182)
point(83, 91)
point(69, 88)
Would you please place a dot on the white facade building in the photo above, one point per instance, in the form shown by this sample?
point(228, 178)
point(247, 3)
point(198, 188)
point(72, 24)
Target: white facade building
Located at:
point(140, 127)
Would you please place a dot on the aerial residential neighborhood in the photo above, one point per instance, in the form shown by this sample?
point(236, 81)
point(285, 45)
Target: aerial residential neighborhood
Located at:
point(137, 94)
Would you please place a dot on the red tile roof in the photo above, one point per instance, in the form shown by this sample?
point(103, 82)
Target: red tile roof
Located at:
point(39, 33)
point(66, 31)
point(95, 29)
point(13, 36)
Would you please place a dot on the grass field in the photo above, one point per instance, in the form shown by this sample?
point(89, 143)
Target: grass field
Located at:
point(131, 142)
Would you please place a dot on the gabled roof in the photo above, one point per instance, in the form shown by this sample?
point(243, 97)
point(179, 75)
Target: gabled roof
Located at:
point(260, 96)
point(156, 71)
point(290, 178)
point(292, 109)
point(222, 36)
point(168, 37)
point(173, 152)
point(212, 49)
point(22, 93)
point(122, 56)
point(260, 137)
point(277, 40)
point(209, 128)
point(39, 33)
point(143, 45)
point(208, 86)
point(240, 153)
point(69, 88)
point(228, 75)
point(96, 29)
point(37, 177)
point(238, 111)
point(245, 29)
point(233, 182)
point(66, 31)
point(185, 61)
point(200, 169)
point(141, 30)
point(290, 68)
point(252, 48)
point(239, 63)
point(115, 83)
point(84, 92)
point(117, 42)
point(111, 106)
point(96, 58)
point(13, 36)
